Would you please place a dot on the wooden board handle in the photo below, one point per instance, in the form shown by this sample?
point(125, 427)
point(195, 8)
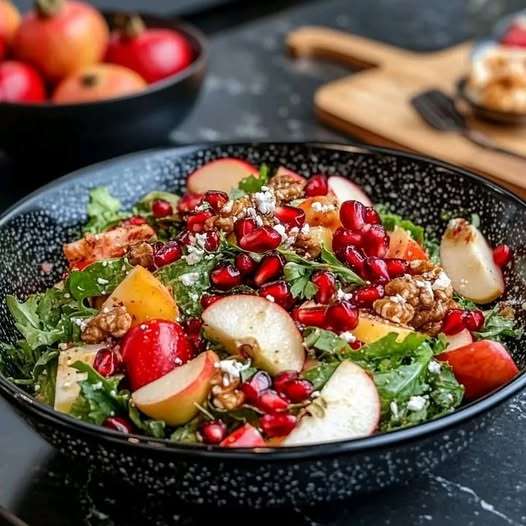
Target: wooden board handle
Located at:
point(321, 42)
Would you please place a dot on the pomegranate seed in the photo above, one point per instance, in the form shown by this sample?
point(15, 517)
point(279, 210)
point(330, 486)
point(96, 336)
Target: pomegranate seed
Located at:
point(474, 320)
point(261, 239)
point(376, 270)
point(454, 322)
point(352, 215)
point(356, 344)
point(215, 199)
point(343, 237)
point(290, 216)
point(326, 286)
point(366, 296)
point(342, 316)
point(270, 402)
point(279, 292)
point(212, 432)
point(134, 221)
point(192, 327)
point(298, 390)
point(311, 316)
point(277, 425)
point(353, 257)
point(371, 216)
point(196, 221)
point(375, 241)
point(209, 299)
point(317, 185)
point(188, 202)
point(107, 362)
point(396, 267)
point(186, 238)
point(118, 423)
point(161, 208)
point(212, 241)
point(167, 253)
point(282, 379)
point(270, 267)
point(225, 277)
point(242, 227)
point(245, 264)
point(252, 388)
point(502, 255)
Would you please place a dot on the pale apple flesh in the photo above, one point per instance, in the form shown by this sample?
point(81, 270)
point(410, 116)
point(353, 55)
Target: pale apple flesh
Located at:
point(468, 261)
point(259, 328)
point(67, 381)
point(348, 407)
point(454, 341)
point(222, 175)
point(346, 190)
point(371, 328)
point(175, 396)
point(289, 173)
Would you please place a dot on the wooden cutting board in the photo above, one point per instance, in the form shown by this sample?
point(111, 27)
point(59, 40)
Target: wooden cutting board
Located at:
point(374, 104)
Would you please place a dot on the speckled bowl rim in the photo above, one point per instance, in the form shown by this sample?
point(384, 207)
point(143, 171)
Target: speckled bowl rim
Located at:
point(279, 453)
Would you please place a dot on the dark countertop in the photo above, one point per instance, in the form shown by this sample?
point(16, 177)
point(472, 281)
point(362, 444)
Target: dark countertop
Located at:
point(255, 92)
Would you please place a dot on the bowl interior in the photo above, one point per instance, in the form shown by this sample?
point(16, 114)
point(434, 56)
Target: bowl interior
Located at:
point(33, 232)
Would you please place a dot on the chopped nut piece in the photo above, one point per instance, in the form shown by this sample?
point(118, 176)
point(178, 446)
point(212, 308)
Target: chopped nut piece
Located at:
point(141, 254)
point(399, 312)
point(286, 188)
point(111, 321)
point(307, 245)
point(225, 392)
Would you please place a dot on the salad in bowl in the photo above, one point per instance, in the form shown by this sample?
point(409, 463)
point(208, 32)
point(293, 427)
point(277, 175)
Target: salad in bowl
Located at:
point(260, 308)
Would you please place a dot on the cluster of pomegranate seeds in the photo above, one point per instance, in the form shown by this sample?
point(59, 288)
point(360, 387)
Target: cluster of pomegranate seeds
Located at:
point(107, 362)
point(161, 208)
point(326, 285)
point(261, 239)
point(245, 264)
point(457, 320)
point(188, 202)
point(253, 387)
point(293, 388)
point(225, 277)
point(277, 425)
point(118, 423)
point(290, 216)
point(215, 199)
point(208, 299)
point(270, 401)
point(317, 185)
point(195, 222)
point(269, 268)
point(279, 292)
point(502, 255)
point(167, 253)
point(212, 432)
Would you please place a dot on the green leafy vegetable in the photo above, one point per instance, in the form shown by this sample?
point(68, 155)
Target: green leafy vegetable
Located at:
point(324, 341)
point(103, 210)
point(390, 221)
point(144, 206)
point(153, 428)
point(187, 433)
point(298, 277)
point(320, 374)
point(499, 325)
point(252, 184)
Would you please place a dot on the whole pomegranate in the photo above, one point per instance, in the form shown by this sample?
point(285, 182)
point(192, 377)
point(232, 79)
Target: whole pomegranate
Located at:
point(20, 83)
point(98, 82)
point(9, 20)
point(153, 53)
point(59, 37)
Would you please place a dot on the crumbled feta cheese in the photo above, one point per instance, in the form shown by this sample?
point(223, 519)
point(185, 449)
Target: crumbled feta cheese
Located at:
point(305, 229)
point(280, 229)
point(397, 298)
point(424, 285)
point(270, 298)
point(442, 282)
point(348, 336)
point(102, 281)
point(341, 295)
point(67, 295)
point(79, 322)
point(265, 202)
point(232, 367)
point(322, 208)
point(194, 255)
point(416, 403)
point(200, 240)
point(227, 207)
point(393, 406)
point(189, 278)
point(434, 367)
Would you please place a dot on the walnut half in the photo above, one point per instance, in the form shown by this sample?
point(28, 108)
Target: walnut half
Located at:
point(109, 322)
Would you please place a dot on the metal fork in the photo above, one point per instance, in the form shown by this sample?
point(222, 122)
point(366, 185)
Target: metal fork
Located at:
point(439, 111)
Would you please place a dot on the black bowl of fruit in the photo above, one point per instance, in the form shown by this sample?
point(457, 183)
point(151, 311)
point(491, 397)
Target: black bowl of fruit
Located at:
point(263, 325)
point(77, 86)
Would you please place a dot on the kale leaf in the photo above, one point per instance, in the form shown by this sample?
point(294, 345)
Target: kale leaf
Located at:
point(104, 211)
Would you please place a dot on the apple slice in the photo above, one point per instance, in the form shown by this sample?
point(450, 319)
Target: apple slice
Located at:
point(222, 175)
point(371, 328)
point(67, 386)
point(346, 190)
point(403, 246)
point(468, 261)
point(174, 396)
point(244, 436)
point(480, 367)
point(264, 329)
point(458, 340)
point(285, 171)
point(348, 407)
point(321, 210)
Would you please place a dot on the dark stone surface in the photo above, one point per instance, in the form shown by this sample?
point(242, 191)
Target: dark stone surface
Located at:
point(255, 92)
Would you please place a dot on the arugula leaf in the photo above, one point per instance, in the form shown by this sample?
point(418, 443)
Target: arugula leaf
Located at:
point(325, 341)
point(320, 374)
point(45, 374)
point(298, 277)
point(499, 325)
point(101, 277)
point(154, 428)
point(187, 433)
point(252, 184)
point(104, 211)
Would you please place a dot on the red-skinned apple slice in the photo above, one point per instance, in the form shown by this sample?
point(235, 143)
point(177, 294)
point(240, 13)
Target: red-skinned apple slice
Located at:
point(346, 190)
point(222, 175)
point(462, 338)
point(174, 397)
point(468, 261)
point(480, 367)
point(285, 171)
point(244, 436)
point(265, 330)
point(348, 407)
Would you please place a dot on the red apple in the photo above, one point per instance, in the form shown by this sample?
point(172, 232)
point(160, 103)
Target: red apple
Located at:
point(346, 190)
point(480, 367)
point(152, 349)
point(285, 171)
point(461, 339)
point(244, 436)
point(222, 175)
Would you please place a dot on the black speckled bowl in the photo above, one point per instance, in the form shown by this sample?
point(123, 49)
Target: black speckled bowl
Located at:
point(33, 232)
